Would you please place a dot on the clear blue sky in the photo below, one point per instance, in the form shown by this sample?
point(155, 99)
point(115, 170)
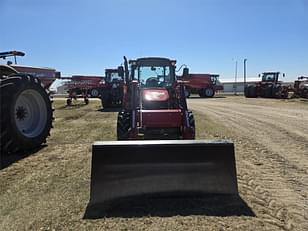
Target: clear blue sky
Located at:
point(84, 37)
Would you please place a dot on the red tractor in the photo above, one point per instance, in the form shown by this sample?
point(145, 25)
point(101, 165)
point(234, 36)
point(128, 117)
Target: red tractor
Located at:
point(269, 87)
point(300, 87)
point(154, 102)
point(203, 84)
point(163, 164)
point(112, 89)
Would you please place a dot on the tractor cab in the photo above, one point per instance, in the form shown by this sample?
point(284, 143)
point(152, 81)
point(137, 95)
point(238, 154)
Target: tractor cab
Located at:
point(112, 75)
point(270, 77)
point(153, 72)
point(215, 79)
point(156, 81)
point(112, 91)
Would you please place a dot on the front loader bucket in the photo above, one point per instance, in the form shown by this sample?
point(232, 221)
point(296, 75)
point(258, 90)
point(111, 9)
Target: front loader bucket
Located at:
point(122, 169)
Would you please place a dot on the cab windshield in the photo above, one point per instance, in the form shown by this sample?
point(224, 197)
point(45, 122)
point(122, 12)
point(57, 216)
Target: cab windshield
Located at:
point(153, 76)
point(114, 76)
point(215, 79)
point(269, 77)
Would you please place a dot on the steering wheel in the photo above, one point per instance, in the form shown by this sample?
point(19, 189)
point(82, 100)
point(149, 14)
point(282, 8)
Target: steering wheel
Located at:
point(152, 82)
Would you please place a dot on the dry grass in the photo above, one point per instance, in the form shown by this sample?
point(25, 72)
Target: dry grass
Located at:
point(49, 190)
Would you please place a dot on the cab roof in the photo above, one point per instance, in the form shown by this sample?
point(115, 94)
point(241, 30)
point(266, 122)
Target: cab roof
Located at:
point(152, 61)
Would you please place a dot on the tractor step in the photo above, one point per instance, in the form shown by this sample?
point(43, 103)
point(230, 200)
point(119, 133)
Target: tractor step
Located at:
point(123, 169)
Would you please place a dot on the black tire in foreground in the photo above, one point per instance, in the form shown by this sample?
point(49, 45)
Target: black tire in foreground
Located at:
point(26, 113)
point(123, 125)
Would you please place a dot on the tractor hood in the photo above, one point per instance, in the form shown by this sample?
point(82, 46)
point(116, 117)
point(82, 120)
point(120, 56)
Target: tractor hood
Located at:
point(155, 94)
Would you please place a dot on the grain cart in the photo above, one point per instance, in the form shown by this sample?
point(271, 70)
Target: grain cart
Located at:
point(300, 87)
point(203, 84)
point(157, 153)
point(269, 87)
point(26, 111)
point(112, 90)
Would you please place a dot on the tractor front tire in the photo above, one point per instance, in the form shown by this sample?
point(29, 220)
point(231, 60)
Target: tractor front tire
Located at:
point(251, 92)
point(209, 92)
point(123, 125)
point(26, 113)
point(246, 92)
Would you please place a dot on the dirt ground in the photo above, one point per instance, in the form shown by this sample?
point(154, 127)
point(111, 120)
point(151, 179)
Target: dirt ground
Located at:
point(49, 189)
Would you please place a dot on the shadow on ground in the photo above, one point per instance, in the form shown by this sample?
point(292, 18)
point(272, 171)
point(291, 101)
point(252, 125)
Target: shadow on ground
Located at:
point(209, 205)
point(9, 159)
point(79, 105)
point(110, 109)
point(198, 97)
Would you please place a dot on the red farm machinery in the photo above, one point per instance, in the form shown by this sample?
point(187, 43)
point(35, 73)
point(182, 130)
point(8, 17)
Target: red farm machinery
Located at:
point(80, 86)
point(112, 90)
point(300, 87)
point(269, 87)
point(26, 108)
point(205, 85)
point(156, 153)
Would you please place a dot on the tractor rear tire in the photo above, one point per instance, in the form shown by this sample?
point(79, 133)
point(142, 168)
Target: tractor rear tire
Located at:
point(269, 92)
point(123, 125)
point(26, 113)
point(106, 99)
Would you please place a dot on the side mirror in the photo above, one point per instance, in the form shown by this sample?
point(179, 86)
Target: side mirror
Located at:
point(185, 72)
point(259, 75)
point(121, 71)
point(283, 75)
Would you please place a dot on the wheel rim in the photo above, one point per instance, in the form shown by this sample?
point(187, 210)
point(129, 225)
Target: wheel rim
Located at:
point(30, 113)
point(208, 92)
point(94, 92)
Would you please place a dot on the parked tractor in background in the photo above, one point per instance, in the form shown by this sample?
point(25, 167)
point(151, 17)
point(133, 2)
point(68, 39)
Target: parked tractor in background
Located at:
point(112, 89)
point(26, 110)
point(269, 87)
point(300, 87)
point(203, 84)
point(157, 154)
